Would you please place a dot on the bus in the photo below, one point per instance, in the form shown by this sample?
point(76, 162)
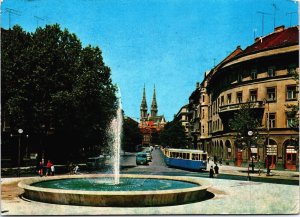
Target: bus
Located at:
point(186, 158)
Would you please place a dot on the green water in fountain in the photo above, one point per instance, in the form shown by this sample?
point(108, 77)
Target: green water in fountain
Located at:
point(106, 184)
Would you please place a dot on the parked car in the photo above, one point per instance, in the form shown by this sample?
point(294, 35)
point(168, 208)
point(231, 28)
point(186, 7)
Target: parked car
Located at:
point(149, 156)
point(141, 158)
point(96, 162)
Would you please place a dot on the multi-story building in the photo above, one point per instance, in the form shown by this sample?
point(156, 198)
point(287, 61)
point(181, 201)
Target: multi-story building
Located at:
point(263, 73)
point(182, 117)
point(194, 117)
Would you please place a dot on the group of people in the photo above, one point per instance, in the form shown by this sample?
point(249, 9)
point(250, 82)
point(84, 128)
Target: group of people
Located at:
point(214, 170)
point(50, 169)
point(73, 168)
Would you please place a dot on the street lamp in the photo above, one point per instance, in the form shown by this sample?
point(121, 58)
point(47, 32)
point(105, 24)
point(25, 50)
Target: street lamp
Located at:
point(20, 131)
point(268, 135)
point(250, 133)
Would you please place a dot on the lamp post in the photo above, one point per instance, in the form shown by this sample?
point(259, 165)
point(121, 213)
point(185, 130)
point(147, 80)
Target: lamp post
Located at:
point(268, 135)
point(20, 131)
point(250, 133)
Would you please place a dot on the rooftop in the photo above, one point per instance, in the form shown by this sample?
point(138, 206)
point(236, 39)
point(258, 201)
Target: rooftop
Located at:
point(281, 37)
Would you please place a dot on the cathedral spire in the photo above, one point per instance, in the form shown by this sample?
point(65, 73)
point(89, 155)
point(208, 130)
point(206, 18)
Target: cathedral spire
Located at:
point(154, 104)
point(144, 108)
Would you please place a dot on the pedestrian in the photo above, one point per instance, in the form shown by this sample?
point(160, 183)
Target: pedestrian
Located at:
point(48, 168)
point(208, 160)
point(216, 169)
point(211, 172)
point(76, 168)
point(52, 170)
point(220, 162)
point(40, 168)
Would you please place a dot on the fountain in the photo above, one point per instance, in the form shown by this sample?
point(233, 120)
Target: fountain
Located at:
point(116, 133)
point(115, 189)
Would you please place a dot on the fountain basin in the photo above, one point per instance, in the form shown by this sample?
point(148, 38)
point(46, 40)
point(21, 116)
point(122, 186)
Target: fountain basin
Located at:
point(132, 198)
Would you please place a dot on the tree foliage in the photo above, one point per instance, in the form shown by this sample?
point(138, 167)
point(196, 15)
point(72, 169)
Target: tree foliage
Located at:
point(49, 81)
point(173, 135)
point(245, 120)
point(132, 135)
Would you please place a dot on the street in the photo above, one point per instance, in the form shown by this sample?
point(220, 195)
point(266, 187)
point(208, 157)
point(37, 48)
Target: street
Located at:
point(158, 167)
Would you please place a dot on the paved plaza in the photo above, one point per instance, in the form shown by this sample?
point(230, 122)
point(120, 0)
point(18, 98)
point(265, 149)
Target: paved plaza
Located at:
point(230, 197)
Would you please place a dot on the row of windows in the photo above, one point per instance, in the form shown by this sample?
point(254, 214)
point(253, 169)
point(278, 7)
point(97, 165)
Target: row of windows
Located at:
point(271, 96)
point(271, 72)
point(290, 121)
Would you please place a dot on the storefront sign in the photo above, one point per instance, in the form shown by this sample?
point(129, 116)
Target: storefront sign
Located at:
point(271, 149)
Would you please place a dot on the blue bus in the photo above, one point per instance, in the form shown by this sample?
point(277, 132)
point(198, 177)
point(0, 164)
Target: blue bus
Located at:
point(186, 158)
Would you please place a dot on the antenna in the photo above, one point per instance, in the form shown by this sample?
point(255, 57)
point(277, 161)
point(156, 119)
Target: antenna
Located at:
point(37, 20)
point(275, 8)
point(262, 21)
point(291, 14)
point(254, 33)
point(11, 11)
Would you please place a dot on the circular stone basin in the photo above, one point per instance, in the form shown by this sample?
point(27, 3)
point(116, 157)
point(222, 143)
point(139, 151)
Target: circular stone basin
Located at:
point(99, 190)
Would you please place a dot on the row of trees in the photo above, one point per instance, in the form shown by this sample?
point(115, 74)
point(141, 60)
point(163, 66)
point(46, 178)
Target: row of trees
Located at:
point(52, 84)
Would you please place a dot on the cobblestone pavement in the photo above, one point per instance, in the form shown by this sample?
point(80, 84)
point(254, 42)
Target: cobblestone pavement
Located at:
point(230, 196)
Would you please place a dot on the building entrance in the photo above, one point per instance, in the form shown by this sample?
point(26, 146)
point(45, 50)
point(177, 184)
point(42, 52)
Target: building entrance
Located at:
point(290, 158)
point(239, 158)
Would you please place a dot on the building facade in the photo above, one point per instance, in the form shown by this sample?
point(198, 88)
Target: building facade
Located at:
point(182, 117)
point(264, 74)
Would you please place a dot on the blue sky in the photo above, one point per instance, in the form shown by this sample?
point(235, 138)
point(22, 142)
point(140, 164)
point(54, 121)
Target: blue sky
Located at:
point(166, 43)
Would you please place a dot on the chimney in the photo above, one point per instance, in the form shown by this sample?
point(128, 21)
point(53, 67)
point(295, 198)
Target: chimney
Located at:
point(238, 47)
point(279, 28)
point(197, 85)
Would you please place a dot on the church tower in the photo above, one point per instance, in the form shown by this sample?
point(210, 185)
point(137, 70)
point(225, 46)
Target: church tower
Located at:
point(144, 108)
point(154, 105)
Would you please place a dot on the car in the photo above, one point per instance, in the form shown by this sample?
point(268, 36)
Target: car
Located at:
point(141, 158)
point(96, 162)
point(149, 156)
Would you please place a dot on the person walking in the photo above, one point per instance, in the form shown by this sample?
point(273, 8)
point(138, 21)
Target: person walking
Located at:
point(211, 172)
point(208, 160)
point(48, 168)
point(216, 169)
point(40, 167)
point(52, 170)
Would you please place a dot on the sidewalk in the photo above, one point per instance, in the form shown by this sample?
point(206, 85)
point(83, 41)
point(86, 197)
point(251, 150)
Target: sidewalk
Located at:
point(243, 171)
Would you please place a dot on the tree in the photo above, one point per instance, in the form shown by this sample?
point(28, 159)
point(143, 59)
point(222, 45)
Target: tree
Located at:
point(132, 135)
point(173, 135)
point(246, 124)
point(49, 81)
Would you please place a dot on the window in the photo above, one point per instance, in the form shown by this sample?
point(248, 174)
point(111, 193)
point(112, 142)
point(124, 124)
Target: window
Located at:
point(240, 77)
point(253, 74)
point(202, 113)
point(239, 97)
point(271, 71)
point(272, 117)
point(292, 69)
point(203, 98)
point(291, 92)
point(253, 95)
point(222, 100)
point(229, 98)
point(291, 122)
point(202, 129)
point(271, 94)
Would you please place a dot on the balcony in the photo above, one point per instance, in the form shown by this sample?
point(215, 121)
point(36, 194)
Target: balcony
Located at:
point(234, 107)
